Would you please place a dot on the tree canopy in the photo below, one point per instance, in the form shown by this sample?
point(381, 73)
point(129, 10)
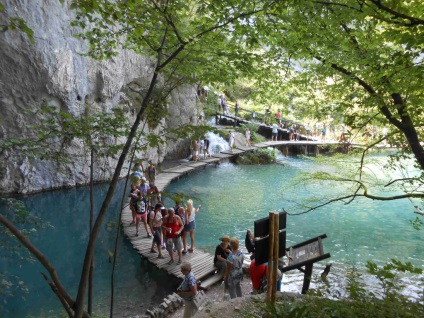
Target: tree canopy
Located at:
point(362, 59)
point(359, 62)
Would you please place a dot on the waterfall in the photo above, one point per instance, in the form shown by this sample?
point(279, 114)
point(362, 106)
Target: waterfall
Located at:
point(217, 143)
point(211, 121)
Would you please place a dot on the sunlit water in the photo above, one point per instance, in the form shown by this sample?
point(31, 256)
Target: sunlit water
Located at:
point(234, 196)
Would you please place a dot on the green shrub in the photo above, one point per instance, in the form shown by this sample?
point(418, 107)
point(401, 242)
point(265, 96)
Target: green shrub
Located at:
point(358, 302)
point(260, 156)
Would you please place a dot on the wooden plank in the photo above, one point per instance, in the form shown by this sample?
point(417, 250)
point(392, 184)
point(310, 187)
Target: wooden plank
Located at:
point(202, 263)
point(212, 280)
point(205, 271)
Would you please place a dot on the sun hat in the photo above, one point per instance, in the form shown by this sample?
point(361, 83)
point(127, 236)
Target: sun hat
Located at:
point(225, 238)
point(143, 179)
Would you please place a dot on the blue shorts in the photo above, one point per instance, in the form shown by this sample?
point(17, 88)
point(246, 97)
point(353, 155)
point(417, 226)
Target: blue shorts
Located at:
point(189, 227)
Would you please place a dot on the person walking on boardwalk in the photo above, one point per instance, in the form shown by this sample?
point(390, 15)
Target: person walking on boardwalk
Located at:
point(190, 225)
point(173, 226)
point(187, 290)
point(232, 140)
point(206, 144)
point(138, 172)
point(151, 174)
point(323, 132)
point(247, 134)
point(201, 149)
point(195, 150)
point(291, 132)
point(134, 195)
point(141, 213)
point(274, 132)
point(144, 187)
point(154, 197)
point(308, 131)
point(221, 254)
point(156, 228)
point(234, 272)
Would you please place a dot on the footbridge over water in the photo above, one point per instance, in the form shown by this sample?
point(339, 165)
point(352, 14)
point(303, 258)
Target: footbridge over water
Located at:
point(202, 262)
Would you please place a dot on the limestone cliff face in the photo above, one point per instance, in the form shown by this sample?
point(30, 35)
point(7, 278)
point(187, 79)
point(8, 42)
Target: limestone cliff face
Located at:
point(53, 71)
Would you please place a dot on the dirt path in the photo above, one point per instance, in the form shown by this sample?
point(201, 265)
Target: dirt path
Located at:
point(220, 308)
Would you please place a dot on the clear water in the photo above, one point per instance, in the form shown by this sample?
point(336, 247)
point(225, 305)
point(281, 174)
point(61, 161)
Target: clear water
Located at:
point(137, 285)
point(234, 196)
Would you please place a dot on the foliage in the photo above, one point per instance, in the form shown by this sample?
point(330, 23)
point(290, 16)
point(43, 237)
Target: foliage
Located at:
point(183, 39)
point(259, 156)
point(358, 302)
point(363, 64)
point(14, 24)
point(356, 175)
point(212, 103)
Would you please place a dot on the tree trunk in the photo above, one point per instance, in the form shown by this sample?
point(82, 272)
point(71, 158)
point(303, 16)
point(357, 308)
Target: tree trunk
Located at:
point(79, 305)
point(90, 276)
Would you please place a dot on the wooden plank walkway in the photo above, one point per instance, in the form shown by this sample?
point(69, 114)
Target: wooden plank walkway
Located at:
point(202, 262)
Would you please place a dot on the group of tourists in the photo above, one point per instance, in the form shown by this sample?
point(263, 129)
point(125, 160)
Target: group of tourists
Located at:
point(169, 227)
point(200, 149)
point(144, 195)
point(229, 260)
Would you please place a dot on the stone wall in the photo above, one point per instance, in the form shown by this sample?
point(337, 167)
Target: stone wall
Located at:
point(52, 71)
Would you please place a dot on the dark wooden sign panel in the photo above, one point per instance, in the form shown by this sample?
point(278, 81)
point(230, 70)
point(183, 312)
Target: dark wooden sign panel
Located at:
point(262, 248)
point(262, 225)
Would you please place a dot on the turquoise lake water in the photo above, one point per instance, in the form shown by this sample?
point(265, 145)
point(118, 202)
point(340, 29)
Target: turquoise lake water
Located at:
point(137, 284)
point(232, 198)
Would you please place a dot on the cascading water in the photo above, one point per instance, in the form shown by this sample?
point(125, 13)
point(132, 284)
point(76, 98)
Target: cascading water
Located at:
point(217, 143)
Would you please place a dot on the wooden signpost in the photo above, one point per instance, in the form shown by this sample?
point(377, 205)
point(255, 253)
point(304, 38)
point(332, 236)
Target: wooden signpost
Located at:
point(306, 254)
point(270, 245)
point(269, 233)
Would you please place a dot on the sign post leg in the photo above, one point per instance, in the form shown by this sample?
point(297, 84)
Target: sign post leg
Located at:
point(270, 284)
point(307, 277)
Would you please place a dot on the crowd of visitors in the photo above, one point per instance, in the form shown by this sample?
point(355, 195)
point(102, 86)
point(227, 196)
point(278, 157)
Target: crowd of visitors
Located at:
point(323, 131)
point(170, 227)
point(200, 149)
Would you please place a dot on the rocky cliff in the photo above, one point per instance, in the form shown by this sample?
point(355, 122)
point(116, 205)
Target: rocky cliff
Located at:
point(53, 71)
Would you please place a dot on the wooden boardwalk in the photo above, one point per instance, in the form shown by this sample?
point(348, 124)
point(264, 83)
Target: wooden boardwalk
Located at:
point(202, 262)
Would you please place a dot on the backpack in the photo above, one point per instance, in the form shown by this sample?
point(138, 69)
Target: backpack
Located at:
point(141, 206)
